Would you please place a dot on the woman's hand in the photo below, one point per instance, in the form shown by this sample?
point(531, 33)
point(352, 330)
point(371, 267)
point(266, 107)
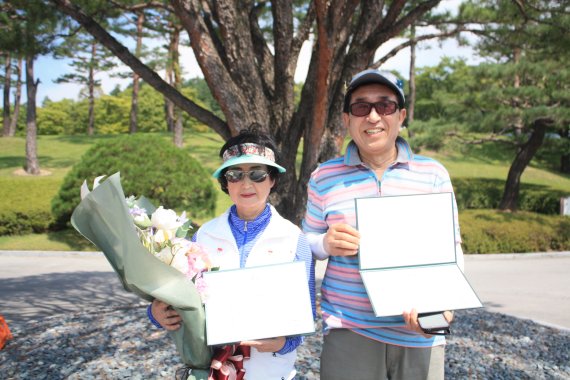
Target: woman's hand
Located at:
point(165, 315)
point(266, 345)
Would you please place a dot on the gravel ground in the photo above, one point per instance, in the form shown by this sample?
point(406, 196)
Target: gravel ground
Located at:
point(119, 343)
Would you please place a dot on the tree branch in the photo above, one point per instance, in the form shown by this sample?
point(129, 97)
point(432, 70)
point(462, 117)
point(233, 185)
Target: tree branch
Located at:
point(140, 68)
point(409, 42)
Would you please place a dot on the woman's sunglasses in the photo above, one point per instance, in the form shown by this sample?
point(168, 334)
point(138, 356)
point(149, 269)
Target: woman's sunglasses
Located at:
point(256, 175)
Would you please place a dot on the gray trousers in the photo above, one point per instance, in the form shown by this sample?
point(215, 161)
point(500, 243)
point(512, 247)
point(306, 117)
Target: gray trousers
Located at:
point(347, 355)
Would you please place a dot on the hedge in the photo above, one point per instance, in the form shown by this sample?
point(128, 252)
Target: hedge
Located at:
point(493, 231)
point(25, 204)
point(483, 193)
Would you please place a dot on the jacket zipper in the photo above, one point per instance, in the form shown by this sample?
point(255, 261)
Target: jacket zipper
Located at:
point(243, 244)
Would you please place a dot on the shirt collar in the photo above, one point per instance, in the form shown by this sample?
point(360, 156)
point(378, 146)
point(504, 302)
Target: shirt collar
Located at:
point(405, 154)
point(239, 224)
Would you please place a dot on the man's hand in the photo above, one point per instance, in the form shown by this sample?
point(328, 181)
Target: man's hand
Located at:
point(411, 319)
point(266, 345)
point(341, 240)
point(165, 315)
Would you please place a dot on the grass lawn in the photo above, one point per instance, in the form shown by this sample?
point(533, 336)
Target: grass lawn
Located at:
point(57, 154)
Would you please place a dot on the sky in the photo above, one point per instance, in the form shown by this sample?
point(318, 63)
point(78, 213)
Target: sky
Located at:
point(428, 54)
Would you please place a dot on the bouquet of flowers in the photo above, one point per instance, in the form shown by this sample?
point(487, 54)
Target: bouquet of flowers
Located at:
point(163, 233)
point(138, 247)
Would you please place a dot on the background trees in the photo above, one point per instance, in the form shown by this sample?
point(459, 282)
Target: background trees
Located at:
point(249, 65)
point(518, 98)
point(31, 28)
point(88, 59)
point(248, 53)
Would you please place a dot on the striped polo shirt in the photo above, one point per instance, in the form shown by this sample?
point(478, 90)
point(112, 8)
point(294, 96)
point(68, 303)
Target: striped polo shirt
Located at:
point(331, 192)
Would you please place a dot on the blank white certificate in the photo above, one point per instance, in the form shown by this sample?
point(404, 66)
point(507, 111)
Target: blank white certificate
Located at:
point(425, 288)
point(407, 255)
point(257, 303)
point(406, 230)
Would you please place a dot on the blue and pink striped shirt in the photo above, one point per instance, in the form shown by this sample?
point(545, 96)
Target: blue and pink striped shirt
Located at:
point(331, 192)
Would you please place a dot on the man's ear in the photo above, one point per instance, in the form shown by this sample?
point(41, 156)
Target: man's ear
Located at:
point(403, 114)
point(345, 119)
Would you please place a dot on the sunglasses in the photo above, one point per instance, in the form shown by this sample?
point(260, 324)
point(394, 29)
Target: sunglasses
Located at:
point(256, 175)
point(385, 107)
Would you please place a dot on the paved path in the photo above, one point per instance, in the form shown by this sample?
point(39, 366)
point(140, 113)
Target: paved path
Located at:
point(529, 286)
point(37, 284)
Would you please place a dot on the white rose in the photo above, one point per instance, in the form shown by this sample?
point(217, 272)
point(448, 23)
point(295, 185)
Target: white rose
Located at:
point(166, 222)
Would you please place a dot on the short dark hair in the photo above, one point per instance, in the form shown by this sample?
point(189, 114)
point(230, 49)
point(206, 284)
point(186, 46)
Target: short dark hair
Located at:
point(254, 135)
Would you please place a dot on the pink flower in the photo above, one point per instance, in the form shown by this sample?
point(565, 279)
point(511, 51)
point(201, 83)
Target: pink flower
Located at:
point(198, 262)
point(202, 288)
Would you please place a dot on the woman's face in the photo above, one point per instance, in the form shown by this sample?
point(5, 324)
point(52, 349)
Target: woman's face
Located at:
point(248, 196)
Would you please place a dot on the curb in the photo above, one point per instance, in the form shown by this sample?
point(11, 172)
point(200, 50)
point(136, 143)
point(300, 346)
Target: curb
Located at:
point(486, 256)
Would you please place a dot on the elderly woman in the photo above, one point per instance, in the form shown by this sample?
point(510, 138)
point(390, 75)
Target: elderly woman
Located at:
point(247, 231)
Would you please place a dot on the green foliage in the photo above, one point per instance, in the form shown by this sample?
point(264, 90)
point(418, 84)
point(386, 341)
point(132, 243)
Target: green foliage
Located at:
point(149, 166)
point(484, 193)
point(27, 211)
point(203, 96)
point(490, 231)
point(56, 118)
point(112, 116)
point(112, 113)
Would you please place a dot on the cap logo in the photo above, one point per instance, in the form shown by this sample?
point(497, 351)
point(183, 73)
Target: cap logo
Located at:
point(250, 149)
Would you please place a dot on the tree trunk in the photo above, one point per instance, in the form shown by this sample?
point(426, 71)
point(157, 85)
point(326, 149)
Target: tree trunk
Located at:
point(169, 114)
point(32, 164)
point(6, 106)
point(168, 105)
point(521, 161)
point(565, 164)
point(91, 85)
point(518, 125)
point(178, 131)
point(412, 83)
point(173, 41)
point(16, 115)
point(254, 83)
point(565, 157)
point(136, 77)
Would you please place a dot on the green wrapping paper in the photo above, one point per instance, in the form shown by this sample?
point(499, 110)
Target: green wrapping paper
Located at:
point(103, 218)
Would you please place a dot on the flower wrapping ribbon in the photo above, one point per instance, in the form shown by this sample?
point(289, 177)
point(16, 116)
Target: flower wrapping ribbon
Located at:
point(227, 362)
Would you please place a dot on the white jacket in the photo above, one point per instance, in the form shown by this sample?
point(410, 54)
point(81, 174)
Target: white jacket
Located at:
point(276, 244)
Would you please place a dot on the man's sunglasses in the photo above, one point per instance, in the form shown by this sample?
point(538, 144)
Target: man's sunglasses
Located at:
point(385, 107)
point(256, 175)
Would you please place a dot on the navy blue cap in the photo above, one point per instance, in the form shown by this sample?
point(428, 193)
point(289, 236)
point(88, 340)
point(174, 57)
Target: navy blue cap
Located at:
point(375, 76)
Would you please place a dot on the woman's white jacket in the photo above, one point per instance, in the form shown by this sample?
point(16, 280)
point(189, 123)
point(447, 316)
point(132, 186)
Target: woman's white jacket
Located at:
point(276, 244)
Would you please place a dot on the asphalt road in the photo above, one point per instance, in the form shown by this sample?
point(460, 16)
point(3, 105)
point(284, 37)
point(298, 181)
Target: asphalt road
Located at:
point(38, 284)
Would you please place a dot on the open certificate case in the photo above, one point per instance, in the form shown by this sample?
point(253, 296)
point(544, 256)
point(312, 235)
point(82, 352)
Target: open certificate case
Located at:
point(257, 303)
point(407, 255)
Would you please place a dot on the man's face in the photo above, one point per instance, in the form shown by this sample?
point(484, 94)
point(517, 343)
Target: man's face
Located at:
point(374, 134)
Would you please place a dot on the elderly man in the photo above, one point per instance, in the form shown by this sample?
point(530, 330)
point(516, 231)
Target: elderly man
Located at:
point(377, 162)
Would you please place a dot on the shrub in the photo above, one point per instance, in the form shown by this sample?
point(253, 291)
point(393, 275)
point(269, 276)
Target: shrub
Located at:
point(481, 193)
point(25, 204)
point(491, 231)
point(22, 223)
point(149, 166)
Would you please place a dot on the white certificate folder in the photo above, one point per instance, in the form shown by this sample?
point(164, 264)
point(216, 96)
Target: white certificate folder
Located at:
point(407, 255)
point(257, 303)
